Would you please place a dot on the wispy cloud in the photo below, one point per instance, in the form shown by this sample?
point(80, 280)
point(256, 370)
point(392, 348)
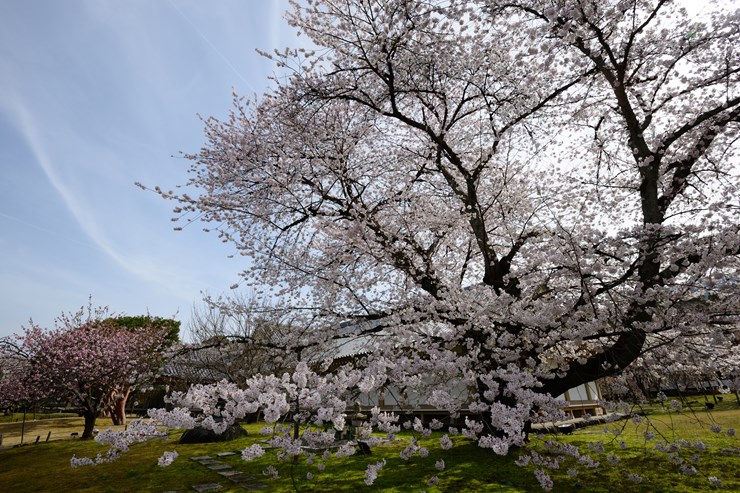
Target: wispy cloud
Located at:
point(80, 210)
point(48, 231)
point(210, 44)
point(26, 126)
point(93, 97)
point(277, 11)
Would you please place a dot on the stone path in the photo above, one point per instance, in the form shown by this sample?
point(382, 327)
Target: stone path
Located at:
point(226, 472)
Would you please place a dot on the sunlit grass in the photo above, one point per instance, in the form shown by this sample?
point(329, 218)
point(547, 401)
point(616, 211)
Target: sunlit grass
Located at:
point(721, 459)
point(46, 428)
point(32, 416)
point(46, 467)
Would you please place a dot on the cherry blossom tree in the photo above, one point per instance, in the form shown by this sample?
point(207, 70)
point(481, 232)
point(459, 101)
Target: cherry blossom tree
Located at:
point(118, 395)
point(83, 361)
point(537, 188)
point(520, 196)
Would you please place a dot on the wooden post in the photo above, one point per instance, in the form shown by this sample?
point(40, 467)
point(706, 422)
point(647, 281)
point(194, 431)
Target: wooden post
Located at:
point(48, 436)
point(23, 425)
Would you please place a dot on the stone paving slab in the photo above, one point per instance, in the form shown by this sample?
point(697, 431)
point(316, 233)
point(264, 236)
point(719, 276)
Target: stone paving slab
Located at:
point(241, 479)
point(201, 457)
point(225, 454)
point(209, 462)
point(232, 472)
point(219, 467)
point(202, 488)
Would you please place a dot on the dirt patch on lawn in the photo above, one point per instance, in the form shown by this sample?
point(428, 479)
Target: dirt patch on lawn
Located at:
point(53, 429)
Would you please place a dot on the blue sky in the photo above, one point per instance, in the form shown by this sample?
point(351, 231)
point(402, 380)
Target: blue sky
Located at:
point(94, 96)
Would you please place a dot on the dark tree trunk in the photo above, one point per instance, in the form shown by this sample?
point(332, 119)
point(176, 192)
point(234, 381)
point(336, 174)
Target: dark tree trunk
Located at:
point(90, 418)
point(608, 363)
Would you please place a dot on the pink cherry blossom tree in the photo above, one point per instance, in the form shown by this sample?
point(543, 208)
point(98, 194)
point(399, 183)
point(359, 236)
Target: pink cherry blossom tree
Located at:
point(119, 394)
point(519, 196)
point(82, 361)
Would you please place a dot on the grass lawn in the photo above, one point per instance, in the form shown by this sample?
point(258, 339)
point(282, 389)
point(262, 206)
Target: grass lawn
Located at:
point(721, 459)
point(45, 467)
point(33, 416)
point(49, 427)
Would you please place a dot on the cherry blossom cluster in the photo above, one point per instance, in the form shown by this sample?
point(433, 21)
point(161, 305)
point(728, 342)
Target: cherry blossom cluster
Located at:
point(371, 473)
point(167, 458)
point(119, 441)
